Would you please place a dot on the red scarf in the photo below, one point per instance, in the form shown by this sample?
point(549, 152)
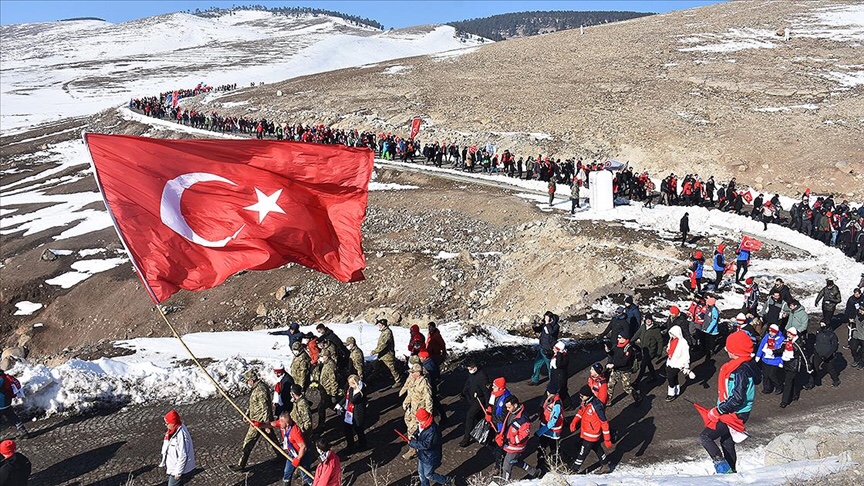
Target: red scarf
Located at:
point(173, 428)
point(350, 406)
point(625, 343)
point(673, 343)
point(725, 371)
point(772, 338)
point(789, 345)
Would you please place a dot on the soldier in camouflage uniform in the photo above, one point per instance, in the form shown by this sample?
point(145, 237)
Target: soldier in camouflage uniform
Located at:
point(328, 388)
point(386, 352)
point(300, 366)
point(259, 411)
point(355, 357)
point(418, 394)
point(301, 413)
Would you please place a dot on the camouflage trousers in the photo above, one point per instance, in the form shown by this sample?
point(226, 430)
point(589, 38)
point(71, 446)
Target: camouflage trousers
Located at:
point(624, 377)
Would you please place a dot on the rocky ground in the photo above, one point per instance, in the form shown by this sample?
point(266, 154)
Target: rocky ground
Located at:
point(503, 263)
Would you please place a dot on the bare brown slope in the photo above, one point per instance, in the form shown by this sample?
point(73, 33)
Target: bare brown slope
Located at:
point(625, 90)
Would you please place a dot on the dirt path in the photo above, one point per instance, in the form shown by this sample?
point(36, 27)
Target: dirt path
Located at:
point(105, 448)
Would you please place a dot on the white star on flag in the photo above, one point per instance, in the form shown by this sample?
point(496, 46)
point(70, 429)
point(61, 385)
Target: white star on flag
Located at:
point(266, 204)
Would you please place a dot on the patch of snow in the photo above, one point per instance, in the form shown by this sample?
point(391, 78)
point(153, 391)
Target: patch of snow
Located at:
point(454, 53)
point(396, 70)
point(700, 470)
point(61, 252)
point(445, 255)
point(232, 104)
point(846, 79)
point(153, 372)
point(26, 308)
point(733, 40)
point(85, 269)
point(773, 109)
point(91, 251)
point(840, 23)
point(386, 186)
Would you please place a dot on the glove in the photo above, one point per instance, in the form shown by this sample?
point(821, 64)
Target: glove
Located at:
point(295, 462)
point(780, 365)
point(499, 439)
point(572, 427)
point(314, 384)
point(714, 414)
point(256, 424)
point(608, 445)
point(757, 359)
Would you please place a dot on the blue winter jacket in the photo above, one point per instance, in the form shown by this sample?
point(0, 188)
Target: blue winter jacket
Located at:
point(741, 390)
point(712, 321)
point(778, 352)
point(697, 267)
point(428, 445)
point(719, 262)
point(499, 413)
point(743, 255)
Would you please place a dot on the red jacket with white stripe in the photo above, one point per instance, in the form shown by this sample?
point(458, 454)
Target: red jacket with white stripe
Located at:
point(594, 423)
point(517, 430)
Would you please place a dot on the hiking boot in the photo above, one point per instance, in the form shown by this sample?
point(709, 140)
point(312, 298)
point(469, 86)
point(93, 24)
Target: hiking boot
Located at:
point(397, 385)
point(410, 454)
point(465, 442)
point(671, 398)
point(836, 384)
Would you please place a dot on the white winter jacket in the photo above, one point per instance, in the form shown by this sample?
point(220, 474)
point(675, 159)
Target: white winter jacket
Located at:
point(680, 357)
point(178, 456)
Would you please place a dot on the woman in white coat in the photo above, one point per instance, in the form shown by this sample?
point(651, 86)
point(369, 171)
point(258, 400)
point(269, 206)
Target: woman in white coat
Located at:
point(178, 456)
point(678, 360)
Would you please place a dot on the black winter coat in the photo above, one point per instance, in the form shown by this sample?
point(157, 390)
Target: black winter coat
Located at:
point(826, 343)
point(548, 333)
point(359, 401)
point(477, 386)
point(15, 471)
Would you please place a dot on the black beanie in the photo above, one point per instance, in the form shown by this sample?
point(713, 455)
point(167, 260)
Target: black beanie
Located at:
point(585, 391)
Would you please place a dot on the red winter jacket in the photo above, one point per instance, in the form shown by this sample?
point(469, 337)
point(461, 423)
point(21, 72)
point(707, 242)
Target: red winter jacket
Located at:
point(594, 423)
point(329, 472)
point(517, 430)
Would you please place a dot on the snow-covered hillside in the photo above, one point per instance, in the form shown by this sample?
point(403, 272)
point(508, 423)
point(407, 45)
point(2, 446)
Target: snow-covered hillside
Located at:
point(72, 68)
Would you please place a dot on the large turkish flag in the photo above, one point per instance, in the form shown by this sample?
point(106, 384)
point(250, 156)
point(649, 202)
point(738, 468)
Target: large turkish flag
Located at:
point(194, 212)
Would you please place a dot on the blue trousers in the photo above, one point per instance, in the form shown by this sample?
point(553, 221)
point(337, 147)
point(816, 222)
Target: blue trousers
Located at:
point(305, 462)
point(427, 474)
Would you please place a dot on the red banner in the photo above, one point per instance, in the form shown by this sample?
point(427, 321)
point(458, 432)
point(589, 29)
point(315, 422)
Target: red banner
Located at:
point(747, 197)
point(750, 244)
point(175, 100)
point(415, 127)
point(192, 213)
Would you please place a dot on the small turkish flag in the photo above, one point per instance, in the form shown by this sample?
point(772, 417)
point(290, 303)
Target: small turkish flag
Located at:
point(192, 213)
point(747, 197)
point(750, 244)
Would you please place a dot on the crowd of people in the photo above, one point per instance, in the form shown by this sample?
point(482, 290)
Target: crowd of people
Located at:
point(822, 218)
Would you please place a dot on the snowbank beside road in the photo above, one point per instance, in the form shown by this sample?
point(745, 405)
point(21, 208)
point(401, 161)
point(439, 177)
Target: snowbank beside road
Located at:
point(158, 369)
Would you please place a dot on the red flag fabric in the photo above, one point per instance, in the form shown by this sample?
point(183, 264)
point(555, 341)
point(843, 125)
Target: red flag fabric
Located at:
point(174, 100)
point(415, 127)
point(747, 197)
point(192, 213)
point(730, 268)
point(729, 419)
point(750, 244)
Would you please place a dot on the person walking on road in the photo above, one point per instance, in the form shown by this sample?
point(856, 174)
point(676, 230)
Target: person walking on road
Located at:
point(329, 470)
point(595, 428)
point(259, 411)
point(830, 297)
point(386, 352)
point(427, 442)
point(178, 455)
point(476, 394)
point(10, 389)
point(548, 330)
point(15, 468)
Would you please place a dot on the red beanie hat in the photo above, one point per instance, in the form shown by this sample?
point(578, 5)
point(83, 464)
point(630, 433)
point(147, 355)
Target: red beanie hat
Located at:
point(423, 354)
point(739, 344)
point(7, 447)
point(697, 255)
point(173, 418)
point(749, 280)
point(500, 382)
point(721, 247)
point(674, 310)
point(424, 417)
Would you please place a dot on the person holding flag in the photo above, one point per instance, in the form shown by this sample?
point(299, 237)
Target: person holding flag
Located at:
point(742, 260)
point(719, 262)
point(736, 391)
